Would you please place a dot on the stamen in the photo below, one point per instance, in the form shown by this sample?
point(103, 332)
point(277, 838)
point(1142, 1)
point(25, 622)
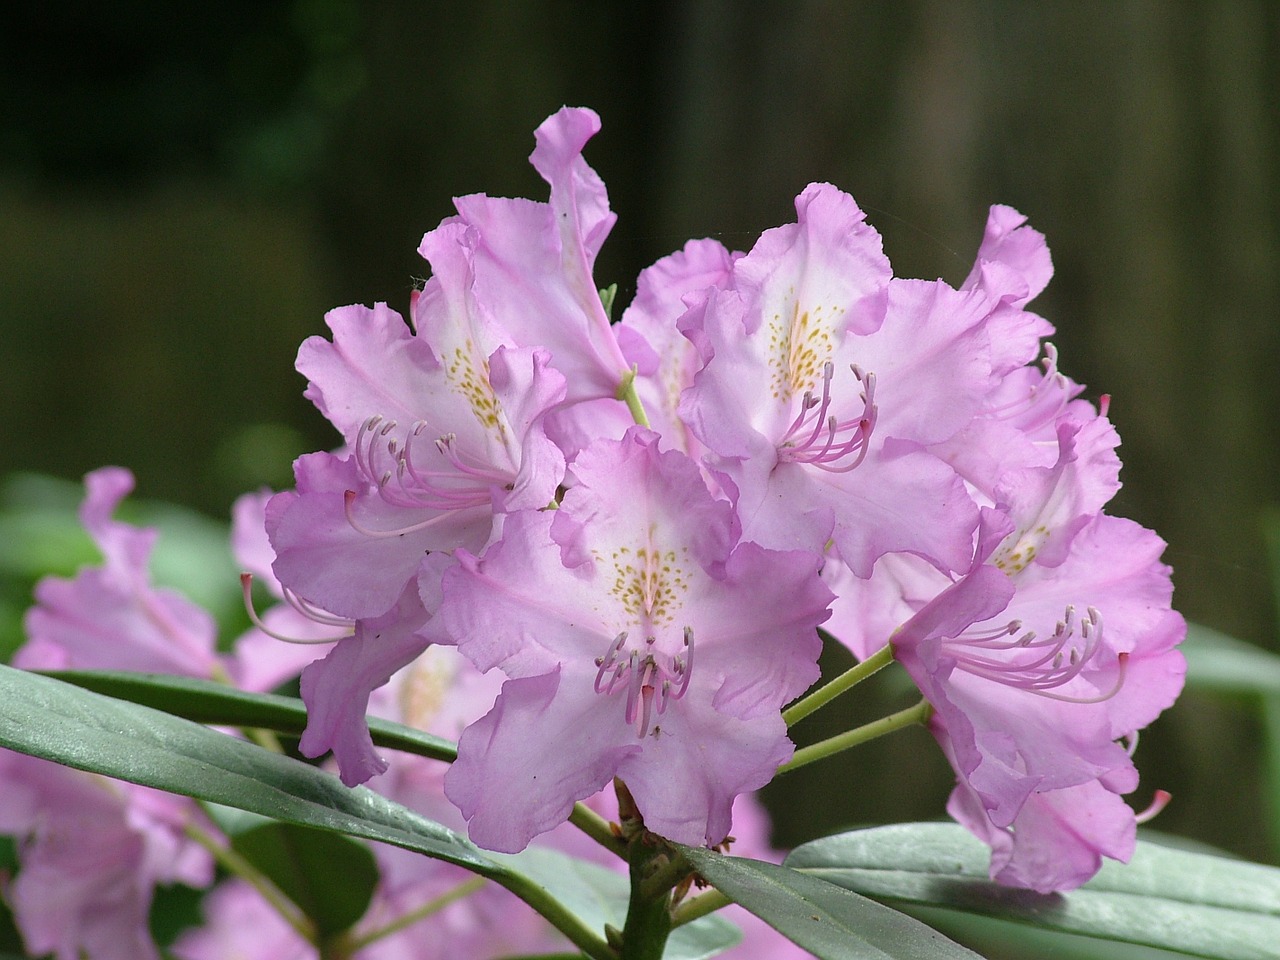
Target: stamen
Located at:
point(651, 683)
point(246, 586)
point(1131, 743)
point(393, 466)
point(610, 659)
point(684, 665)
point(312, 612)
point(832, 444)
point(1054, 660)
point(349, 498)
point(1043, 401)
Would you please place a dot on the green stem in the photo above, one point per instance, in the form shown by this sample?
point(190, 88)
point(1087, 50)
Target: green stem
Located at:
point(665, 877)
point(242, 868)
point(859, 735)
point(627, 394)
point(464, 889)
point(699, 907)
point(555, 913)
point(644, 937)
point(597, 828)
point(847, 680)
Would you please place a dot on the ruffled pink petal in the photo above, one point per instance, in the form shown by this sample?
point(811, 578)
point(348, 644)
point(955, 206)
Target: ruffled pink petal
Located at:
point(581, 741)
point(336, 689)
point(1058, 839)
point(1009, 243)
point(533, 261)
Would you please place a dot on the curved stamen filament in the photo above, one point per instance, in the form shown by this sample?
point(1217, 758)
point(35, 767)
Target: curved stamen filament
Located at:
point(1158, 802)
point(348, 502)
point(651, 684)
point(831, 444)
point(312, 612)
point(1054, 661)
point(327, 619)
point(1043, 401)
point(395, 468)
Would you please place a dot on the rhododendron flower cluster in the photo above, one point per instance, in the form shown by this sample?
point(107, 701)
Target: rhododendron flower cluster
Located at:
point(605, 554)
point(643, 524)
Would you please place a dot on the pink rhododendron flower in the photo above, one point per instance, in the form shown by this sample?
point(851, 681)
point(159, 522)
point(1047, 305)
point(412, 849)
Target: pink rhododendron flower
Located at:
point(823, 381)
point(442, 434)
point(111, 617)
point(91, 852)
point(642, 641)
point(337, 688)
point(260, 661)
point(240, 925)
point(1036, 662)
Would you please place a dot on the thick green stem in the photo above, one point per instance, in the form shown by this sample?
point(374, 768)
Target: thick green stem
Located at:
point(859, 735)
point(597, 828)
point(648, 914)
point(846, 681)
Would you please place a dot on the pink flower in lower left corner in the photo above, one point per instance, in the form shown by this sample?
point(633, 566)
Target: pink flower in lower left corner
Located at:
point(92, 851)
point(643, 641)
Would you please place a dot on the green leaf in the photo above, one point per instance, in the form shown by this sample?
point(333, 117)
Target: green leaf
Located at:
point(1216, 661)
point(205, 701)
point(1179, 900)
point(48, 718)
point(830, 922)
point(331, 878)
point(599, 895)
point(1000, 938)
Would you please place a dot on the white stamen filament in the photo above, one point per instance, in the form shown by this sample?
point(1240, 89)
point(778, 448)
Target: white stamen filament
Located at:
point(306, 609)
point(1055, 660)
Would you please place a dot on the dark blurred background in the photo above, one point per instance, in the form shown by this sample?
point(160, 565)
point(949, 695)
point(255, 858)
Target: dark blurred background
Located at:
point(183, 195)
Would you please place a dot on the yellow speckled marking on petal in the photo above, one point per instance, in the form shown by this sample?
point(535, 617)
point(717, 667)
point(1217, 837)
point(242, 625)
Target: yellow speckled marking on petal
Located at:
point(422, 692)
point(1013, 557)
point(471, 379)
point(649, 583)
point(799, 348)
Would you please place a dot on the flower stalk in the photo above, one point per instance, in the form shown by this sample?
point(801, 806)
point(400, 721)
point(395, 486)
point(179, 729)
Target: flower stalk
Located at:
point(909, 717)
point(846, 681)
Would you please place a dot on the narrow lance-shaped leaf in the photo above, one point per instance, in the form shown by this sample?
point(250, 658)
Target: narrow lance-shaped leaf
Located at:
point(1195, 903)
point(54, 720)
point(830, 922)
point(1216, 661)
point(205, 701)
point(59, 722)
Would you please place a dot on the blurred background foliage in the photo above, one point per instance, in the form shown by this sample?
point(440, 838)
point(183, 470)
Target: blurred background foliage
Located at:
point(182, 197)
